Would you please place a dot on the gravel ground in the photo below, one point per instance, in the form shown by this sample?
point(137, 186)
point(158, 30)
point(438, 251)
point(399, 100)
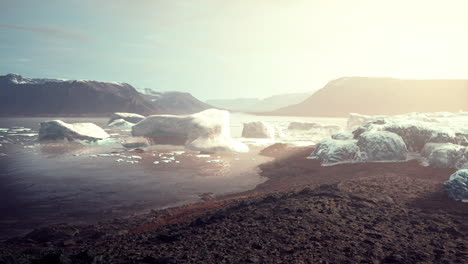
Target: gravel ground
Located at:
point(305, 213)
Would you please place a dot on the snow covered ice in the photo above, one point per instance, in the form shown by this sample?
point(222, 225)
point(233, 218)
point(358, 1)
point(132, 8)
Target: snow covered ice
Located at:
point(204, 131)
point(59, 130)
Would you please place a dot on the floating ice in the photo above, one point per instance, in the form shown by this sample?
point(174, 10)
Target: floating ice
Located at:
point(120, 123)
point(205, 131)
point(258, 129)
point(202, 156)
point(214, 161)
point(59, 130)
point(156, 162)
point(129, 117)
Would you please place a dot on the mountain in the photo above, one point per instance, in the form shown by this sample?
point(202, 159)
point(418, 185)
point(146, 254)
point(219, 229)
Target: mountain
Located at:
point(382, 96)
point(174, 102)
point(260, 105)
point(21, 96)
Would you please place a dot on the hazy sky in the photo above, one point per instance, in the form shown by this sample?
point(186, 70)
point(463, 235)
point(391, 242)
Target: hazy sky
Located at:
point(233, 48)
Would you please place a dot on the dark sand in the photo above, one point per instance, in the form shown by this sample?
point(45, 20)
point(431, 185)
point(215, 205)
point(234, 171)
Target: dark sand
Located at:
point(304, 213)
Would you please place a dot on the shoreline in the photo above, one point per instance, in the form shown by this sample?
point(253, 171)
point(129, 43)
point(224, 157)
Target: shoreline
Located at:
point(369, 210)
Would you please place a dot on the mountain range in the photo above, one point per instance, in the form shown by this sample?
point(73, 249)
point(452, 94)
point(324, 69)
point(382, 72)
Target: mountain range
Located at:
point(20, 96)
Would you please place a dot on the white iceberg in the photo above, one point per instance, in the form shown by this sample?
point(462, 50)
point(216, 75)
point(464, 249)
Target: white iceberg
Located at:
point(205, 131)
point(457, 186)
point(59, 130)
point(129, 117)
point(258, 129)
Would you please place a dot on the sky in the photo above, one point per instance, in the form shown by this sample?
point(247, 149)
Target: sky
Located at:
point(233, 48)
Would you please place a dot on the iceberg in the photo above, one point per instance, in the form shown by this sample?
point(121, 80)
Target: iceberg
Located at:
point(258, 129)
point(457, 185)
point(382, 146)
point(331, 151)
point(120, 123)
point(59, 130)
point(204, 131)
point(129, 117)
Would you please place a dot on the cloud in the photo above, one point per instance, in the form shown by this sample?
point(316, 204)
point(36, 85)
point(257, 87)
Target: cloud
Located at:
point(50, 32)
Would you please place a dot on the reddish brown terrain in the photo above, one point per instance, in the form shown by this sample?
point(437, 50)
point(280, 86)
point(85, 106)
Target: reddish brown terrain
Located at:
point(305, 213)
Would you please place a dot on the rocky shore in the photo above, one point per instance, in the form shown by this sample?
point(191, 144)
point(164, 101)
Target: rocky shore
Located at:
point(381, 212)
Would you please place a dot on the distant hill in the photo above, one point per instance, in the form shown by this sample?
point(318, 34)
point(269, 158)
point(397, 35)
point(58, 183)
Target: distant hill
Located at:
point(20, 96)
point(260, 105)
point(174, 102)
point(382, 96)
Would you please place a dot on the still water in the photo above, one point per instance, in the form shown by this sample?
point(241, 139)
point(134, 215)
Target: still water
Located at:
point(45, 183)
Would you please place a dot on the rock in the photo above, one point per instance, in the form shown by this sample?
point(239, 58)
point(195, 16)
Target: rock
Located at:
point(120, 123)
point(331, 151)
point(59, 130)
point(258, 129)
point(382, 146)
point(457, 186)
point(447, 156)
point(129, 117)
point(275, 150)
point(7, 260)
point(344, 135)
point(52, 233)
point(205, 131)
point(135, 142)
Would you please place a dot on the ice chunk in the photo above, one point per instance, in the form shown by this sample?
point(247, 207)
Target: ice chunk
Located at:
point(331, 151)
point(447, 156)
point(120, 123)
point(59, 130)
point(457, 186)
point(156, 162)
point(382, 146)
point(302, 126)
point(135, 142)
point(129, 117)
point(258, 129)
point(344, 135)
point(202, 156)
point(205, 131)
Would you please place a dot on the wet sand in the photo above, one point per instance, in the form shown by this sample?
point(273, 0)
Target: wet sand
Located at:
point(304, 213)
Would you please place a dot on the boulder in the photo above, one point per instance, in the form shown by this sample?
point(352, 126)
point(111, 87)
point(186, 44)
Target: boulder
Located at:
point(120, 123)
point(331, 151)
point(457, 186)
point(205, 131)
point(344, 135)
point(129, 117)
point(258, 129)
point(59, 130)
point(382, 146)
